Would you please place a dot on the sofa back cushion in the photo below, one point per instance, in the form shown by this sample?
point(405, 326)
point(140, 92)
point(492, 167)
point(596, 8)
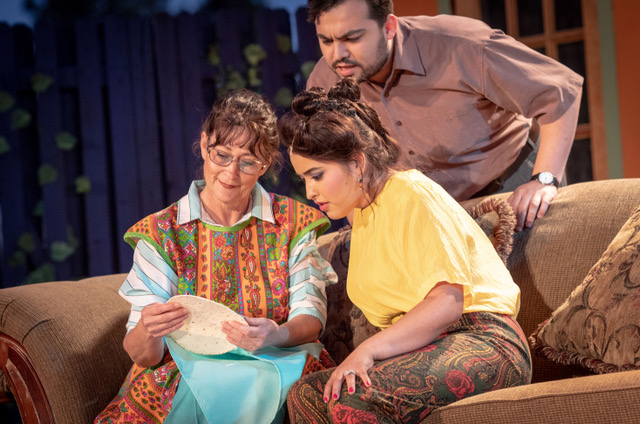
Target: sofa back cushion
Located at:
point(552, 258)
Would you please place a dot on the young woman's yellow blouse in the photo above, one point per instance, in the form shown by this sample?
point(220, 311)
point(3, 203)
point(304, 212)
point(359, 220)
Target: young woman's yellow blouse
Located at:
point(413, 236)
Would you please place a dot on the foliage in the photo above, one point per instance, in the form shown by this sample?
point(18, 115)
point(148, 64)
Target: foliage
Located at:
point(20, 119)
point(6, 101)
point(28, 243)
point(41, 82)
point(4, 146)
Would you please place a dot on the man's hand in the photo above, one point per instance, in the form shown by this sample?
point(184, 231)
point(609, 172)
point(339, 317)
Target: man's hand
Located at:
point(530, 201)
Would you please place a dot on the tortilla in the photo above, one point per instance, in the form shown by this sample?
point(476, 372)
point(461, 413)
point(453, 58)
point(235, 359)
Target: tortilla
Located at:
point(202, 330)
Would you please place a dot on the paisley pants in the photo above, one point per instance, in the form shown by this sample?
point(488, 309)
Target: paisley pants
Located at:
point(482, 352)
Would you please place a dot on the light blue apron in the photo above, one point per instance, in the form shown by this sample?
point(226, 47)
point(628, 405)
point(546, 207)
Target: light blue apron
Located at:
point(236, 387)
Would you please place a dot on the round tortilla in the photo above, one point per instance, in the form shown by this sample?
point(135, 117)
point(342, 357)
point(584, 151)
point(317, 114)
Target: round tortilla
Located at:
point(202, 330)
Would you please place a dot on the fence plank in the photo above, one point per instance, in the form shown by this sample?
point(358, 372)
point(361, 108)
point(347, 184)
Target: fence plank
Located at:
point(146, 140)
point(176, 178)
point(99, 239)
point(308, 47)
point(54, 194)
point(13, 215)
point(122, 133)
point(279, 68)
point(233, 33)
point(191, 53)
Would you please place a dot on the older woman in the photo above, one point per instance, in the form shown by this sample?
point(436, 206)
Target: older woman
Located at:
point(420, 269)
point(230, 241)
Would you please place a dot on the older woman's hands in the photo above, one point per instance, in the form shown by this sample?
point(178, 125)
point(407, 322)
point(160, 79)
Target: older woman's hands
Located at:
point(160, 319)
point(144, 342)
point(264, 332)
point(261, 332)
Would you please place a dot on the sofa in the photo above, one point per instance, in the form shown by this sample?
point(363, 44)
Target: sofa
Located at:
point(62, 361)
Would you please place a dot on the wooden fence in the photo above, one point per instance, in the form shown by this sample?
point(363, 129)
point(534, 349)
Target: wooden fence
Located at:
point(97, 121)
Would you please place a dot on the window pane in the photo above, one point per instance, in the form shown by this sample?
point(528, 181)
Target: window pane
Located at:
point(579, 168)
point(530, 17)
point(572, 55)
point(568, 14)
point(494, 15)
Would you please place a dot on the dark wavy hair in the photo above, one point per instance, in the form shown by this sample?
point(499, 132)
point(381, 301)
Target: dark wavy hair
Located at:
point(244, 110)
point(337, 127)
point(378, 9)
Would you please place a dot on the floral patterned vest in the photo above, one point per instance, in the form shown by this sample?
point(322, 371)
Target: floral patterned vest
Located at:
point(245, 267)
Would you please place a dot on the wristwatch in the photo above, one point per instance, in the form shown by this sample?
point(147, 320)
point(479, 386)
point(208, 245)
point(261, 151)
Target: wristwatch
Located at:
point(546, 178)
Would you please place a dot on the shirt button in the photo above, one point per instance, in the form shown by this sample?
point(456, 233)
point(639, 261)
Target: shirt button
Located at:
point(399, 123)
point(411, 152)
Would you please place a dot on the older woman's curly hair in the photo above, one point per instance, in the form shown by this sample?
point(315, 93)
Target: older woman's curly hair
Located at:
point(243, 110)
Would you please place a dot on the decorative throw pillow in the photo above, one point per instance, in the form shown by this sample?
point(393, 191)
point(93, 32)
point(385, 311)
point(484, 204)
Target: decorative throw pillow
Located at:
point(598, 326)
point(497, 219)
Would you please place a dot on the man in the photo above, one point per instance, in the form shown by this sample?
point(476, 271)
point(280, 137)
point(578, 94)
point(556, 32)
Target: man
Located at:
point(463, 100)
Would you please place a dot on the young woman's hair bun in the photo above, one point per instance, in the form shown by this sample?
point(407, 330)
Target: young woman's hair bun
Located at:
point(347, 89)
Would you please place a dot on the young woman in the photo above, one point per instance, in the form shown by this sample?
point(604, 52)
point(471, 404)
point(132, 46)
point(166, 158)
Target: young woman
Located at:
point(420, 269)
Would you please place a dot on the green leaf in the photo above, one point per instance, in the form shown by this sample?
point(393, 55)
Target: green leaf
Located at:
point(213, 57)
point(61, 250)
point(254, 53)
point(83, 185)
point(252, 76)
point(6, 101)
point(41, 82)
point(20, 118)
point(45, 273)
point(38, 209)
point(4, 146)
point(17, 259)
point(66, 141)
point(235, 80)
point(283, 42)
point(306, 68)
point(283, 97)
point(47, 174)
point(26, 243)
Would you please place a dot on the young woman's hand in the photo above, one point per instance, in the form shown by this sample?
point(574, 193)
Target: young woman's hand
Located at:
point(353, 367)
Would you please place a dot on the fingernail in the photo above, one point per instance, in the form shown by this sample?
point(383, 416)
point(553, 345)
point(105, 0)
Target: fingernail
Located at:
point(351, 390)
point(368, 383)
point(326, 399)
point(335, 396)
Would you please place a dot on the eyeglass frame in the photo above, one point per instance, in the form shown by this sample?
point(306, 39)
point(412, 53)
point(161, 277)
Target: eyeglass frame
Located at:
point(233, 159)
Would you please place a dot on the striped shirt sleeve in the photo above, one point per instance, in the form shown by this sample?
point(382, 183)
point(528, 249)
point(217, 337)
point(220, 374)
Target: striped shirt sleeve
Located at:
point(309, 274)
point(151, 280)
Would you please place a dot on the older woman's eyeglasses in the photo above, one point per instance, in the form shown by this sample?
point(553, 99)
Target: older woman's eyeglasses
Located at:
point(247, 166)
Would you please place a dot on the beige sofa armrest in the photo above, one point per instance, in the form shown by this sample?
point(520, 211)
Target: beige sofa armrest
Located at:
point(61, 347)
point(606, 398)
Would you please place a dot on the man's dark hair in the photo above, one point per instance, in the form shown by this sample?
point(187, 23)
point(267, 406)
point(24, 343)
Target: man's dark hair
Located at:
point(378, 9)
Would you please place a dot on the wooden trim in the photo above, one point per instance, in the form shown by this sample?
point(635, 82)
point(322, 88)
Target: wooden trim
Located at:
point(511, 16)
point(599, 159)
point(24, 382)
point(468, 8)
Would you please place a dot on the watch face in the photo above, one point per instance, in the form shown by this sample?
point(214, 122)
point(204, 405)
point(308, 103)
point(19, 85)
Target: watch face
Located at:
point(546, 178)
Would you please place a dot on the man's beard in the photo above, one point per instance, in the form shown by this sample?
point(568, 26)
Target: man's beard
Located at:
point(382, 56)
